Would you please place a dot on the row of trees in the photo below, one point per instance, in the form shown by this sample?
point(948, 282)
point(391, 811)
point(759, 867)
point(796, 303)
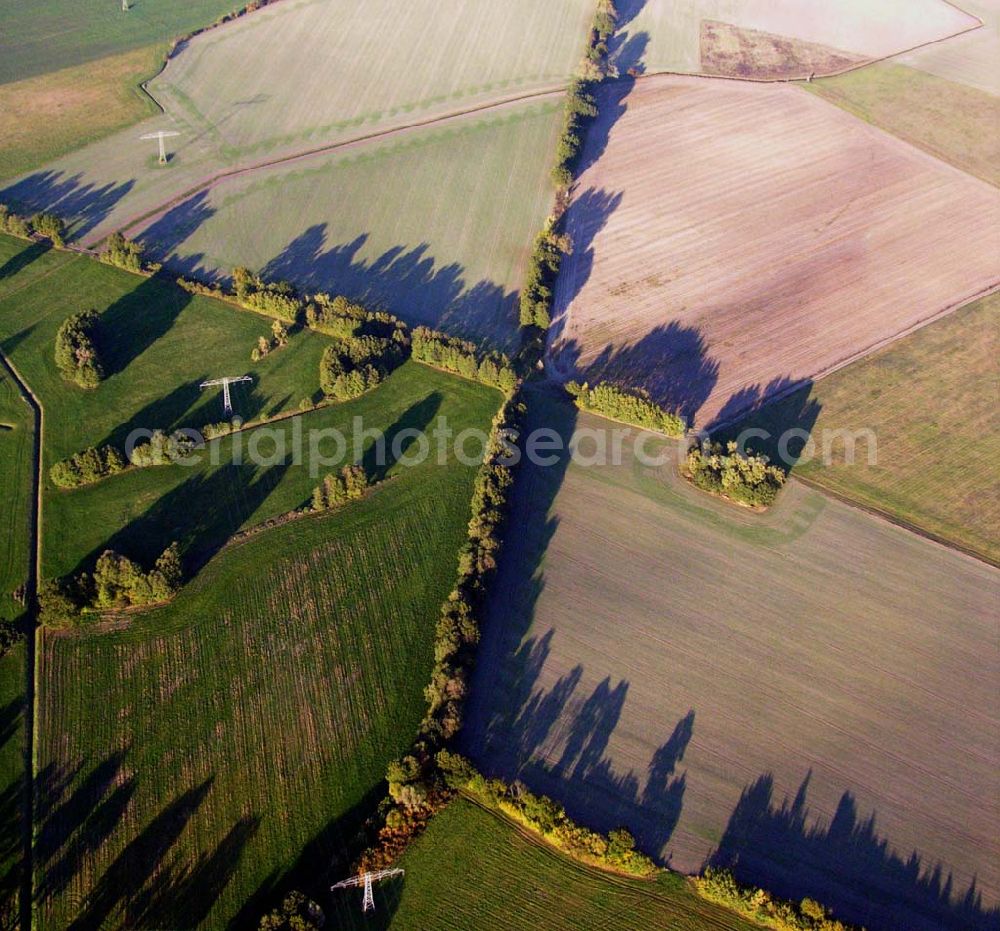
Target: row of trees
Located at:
point(746, 477)
point(76, 349)
point(463, 358)
point(628, 406)
point(89, 465)
point(546, 817)
point(274, 298)
point(552, 243)
point(340, 487)
point(760, 906)
point(116, 582)
point(417, 787)
point(46, 225)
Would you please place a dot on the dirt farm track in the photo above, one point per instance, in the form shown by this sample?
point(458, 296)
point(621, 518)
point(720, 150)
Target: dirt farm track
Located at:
point(713, 273)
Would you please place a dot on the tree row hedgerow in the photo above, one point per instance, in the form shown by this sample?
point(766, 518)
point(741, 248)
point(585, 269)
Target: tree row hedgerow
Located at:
point(628, 406)
point(43, 225)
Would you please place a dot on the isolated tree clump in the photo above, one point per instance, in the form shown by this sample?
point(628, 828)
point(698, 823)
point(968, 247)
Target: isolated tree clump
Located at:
point(89, 465)
point(76, 350)
point(339, 488)
point(745, 477)
point(118, 582)
point(628, 406)
point(296, 913)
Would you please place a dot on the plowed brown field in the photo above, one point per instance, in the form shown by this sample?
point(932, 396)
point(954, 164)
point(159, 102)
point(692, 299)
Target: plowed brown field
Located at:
point(731, 238)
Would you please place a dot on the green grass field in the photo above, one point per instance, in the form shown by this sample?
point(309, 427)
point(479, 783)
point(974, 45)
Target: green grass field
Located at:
point(165, 342)
point(54, 34)
point(749, 688)
point(16, 441)
point(190, 761)
point(930, 400)
point(12, 769)
point(472, 869)
point(444, 243)
point(952, 121)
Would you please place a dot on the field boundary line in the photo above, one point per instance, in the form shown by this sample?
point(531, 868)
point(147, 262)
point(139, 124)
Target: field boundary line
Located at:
point(333, 147)
point(31, 649)
point(901, 522)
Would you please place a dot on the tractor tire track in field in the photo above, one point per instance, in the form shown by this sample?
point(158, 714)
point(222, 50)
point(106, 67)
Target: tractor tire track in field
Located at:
point(455, 116)
point(31, 600)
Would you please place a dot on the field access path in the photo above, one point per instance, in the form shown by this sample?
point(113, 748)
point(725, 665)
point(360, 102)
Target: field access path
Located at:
point(31, 601)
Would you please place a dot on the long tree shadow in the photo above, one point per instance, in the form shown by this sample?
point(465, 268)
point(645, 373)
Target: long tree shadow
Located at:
point(83, 206)
point(394, 444)
point(165, 235)
point(200, 514)
point(168, 412)
point(134, 322)
point(846, 865)
point(24, 258)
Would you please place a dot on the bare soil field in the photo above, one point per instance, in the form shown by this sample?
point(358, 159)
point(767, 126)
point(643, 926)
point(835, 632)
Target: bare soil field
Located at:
point(808, 695)
point(715, 274)
point(866, 28)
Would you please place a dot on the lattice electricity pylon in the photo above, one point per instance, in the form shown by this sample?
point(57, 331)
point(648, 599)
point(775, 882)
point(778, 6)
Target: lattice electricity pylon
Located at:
point(227, 405)
point(161, 135)
point(366, 880)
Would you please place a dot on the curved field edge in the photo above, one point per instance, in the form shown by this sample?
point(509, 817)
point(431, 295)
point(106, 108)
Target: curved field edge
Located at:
point(189, 762)
point(475, 869)
point(912, 431)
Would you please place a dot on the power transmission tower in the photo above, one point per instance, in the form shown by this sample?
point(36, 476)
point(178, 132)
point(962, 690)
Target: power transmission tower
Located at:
point(161, 135)
point(227, 405)
point(366, 880)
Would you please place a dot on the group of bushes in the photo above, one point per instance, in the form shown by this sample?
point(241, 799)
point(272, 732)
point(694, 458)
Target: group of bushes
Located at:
point(76, 349)
point(274, 298)
point(354, 365)
point(339, 488)
point(116, 582)
point(535, 302)
point(720, 887)
point(463, 358)
point(87, 466)
point(745, 477)
point(416, 786)
point(628, 406)
point(46, 225)
point(124, 253)
point(547, 818)
point(278, 340)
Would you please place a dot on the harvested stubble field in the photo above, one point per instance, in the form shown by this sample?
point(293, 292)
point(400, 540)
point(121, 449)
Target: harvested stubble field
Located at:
point(16, 442)
point(807, 694)
point(971, 58)
point(444, 243)
point(158, 343)
point(676, 31)
point(955, 122)
point(189, 762)
point(473, 870)
point(931, 401)
point(304, 74)
point(713, 274)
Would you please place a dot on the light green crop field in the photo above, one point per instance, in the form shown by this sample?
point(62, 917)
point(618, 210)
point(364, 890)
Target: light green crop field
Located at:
point(953, 121)
point(235, 739)
point(748, 688)
point(16, 442)
point(52, 34)
point(930, 400)
point(303, 74)
point(12, 771)
point(445, 241)
point(473, 869)
point(160, 343)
